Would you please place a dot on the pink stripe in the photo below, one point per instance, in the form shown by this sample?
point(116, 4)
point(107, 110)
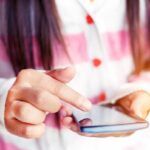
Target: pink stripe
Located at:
point(52, 121)
point(117, 44)
point(7, 146)
point(76, 50)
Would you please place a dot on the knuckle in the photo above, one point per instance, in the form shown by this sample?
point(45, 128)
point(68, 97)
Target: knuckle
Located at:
point(25, 73)
point(12, 92)
point(40, 97)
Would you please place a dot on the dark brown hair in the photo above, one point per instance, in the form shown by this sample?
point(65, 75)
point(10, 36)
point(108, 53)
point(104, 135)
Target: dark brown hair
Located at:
point(25, 19)
point(139, 34)
point(21, 19)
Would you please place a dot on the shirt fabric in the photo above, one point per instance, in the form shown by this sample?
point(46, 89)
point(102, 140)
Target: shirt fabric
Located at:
point(97, 40)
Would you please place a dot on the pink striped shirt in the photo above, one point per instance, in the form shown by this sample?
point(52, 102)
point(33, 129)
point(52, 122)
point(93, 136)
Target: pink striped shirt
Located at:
point(98, 44)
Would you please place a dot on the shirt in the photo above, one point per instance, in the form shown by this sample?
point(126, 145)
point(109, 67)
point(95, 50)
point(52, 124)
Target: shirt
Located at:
point(97, 41)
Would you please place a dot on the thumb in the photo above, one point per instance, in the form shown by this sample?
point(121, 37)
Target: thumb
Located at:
point(141, 106)
point(137, 103)
point(63, 75)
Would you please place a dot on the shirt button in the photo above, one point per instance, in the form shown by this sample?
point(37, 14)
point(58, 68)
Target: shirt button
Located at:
point(97, 62)
point(89, 19)
point(102, 97)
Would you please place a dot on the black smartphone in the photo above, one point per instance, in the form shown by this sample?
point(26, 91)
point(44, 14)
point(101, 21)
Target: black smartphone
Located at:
point(108, 119)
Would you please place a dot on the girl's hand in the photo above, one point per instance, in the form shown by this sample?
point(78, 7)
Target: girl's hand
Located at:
point(34, 94)
point(137, 103)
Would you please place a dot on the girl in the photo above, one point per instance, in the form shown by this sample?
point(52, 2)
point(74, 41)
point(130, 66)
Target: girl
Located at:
point(107, 42)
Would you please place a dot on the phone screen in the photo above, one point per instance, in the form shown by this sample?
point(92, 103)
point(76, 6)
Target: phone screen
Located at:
point(107, 119)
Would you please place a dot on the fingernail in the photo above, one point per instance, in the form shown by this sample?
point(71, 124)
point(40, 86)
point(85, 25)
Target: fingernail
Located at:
point(86, 105)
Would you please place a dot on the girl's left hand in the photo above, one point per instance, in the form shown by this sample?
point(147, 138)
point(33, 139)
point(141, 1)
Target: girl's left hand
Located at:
point(137, 103)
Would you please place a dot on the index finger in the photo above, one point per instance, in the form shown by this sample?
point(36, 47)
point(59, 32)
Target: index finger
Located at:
point(66, 93)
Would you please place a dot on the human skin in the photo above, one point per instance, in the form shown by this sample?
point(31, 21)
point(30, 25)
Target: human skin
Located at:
point(37, 93)
point(137, 103)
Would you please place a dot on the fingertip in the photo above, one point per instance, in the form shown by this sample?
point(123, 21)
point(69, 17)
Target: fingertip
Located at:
point(84, 104)
point(66, 110)
point(67, 121)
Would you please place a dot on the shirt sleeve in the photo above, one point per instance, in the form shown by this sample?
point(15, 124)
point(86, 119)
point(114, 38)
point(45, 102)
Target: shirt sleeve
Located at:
point(136, 83)
point(5, 85)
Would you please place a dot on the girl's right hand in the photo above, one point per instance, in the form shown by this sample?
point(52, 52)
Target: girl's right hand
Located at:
point(34, 94)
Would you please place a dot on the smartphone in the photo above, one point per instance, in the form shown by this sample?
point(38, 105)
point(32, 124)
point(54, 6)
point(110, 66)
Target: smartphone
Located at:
point(108, 119)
